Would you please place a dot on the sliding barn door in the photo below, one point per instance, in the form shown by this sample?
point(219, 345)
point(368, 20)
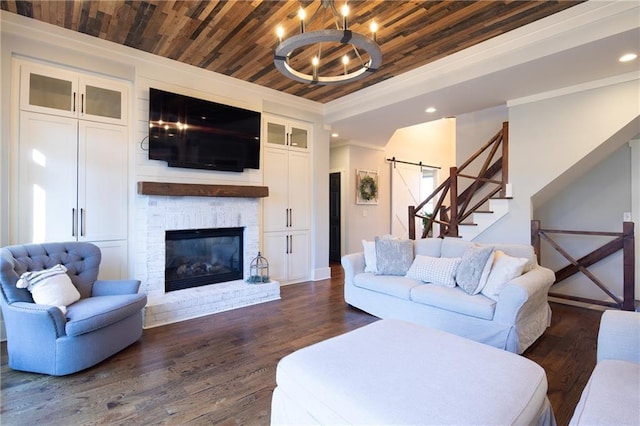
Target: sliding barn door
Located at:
point(406, 183)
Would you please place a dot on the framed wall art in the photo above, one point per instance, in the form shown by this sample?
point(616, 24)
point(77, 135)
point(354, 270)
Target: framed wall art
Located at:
point(367, 190)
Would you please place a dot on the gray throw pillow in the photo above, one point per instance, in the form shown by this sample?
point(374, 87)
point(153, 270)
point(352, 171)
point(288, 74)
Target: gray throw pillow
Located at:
point(393, 257)
point(469, 272)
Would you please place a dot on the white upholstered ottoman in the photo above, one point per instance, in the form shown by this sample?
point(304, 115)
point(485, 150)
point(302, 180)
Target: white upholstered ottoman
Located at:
point(394, 372)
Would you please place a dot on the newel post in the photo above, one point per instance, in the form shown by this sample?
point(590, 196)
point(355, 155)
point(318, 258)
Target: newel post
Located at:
point(628, 259)
point(505, 159)
point(535, 238)
point(453, 194)
point(412, 222)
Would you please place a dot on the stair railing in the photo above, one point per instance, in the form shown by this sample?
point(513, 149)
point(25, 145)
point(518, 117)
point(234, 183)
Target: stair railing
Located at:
point(460, 208)
point(624, 241)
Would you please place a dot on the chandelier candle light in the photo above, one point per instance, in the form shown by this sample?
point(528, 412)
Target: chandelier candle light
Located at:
point(341, 34)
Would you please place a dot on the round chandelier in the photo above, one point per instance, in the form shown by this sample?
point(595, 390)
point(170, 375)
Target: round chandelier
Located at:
point(365, 49)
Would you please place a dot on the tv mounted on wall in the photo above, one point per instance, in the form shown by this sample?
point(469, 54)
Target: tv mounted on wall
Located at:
point(194, 133)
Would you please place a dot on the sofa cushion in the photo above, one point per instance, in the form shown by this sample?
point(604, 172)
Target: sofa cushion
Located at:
point(393, 257)
point(94, 313)
point(437, 270)
point(611, 395)
point(474, 268)
point(504, 269)
point(454, 247)
point(454, 300)
point(386, 284)
point(428, 246)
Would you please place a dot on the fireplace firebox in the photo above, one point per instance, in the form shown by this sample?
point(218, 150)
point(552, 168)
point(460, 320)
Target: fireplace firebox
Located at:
point(197, 257)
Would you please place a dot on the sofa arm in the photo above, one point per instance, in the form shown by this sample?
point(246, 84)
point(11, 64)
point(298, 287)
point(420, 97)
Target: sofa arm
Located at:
point(114, 287)
point(39, 322)
point(353, 264)
point(524, 295)
point(619, 336)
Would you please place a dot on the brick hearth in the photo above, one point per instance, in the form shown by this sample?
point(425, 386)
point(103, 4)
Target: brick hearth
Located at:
point(157, 214)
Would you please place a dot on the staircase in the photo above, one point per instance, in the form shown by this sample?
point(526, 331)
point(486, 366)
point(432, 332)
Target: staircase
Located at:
point(483, 201)
point(481, 220)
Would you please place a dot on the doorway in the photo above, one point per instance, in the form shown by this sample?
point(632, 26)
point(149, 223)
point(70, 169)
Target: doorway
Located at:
point(334, 217)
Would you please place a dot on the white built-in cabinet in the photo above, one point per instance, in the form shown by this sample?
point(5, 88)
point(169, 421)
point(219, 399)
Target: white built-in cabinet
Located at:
point(287, 209)
point(72, 178)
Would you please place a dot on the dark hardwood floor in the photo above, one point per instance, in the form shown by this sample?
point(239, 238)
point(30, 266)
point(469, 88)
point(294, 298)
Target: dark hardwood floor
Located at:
point(220, 369)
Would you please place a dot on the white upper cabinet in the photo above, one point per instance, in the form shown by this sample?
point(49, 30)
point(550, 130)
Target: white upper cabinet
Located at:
point(65, 93)
point(284, 133)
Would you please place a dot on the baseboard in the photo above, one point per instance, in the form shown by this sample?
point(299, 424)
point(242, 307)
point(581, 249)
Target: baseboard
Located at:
point(321, 274)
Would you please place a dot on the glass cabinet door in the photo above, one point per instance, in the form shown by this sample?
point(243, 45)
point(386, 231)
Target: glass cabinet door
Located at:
point(276, 133)
point(65, 93)
point(103, 100)
point(288, 134)
point(48, 90)
point(299, 137)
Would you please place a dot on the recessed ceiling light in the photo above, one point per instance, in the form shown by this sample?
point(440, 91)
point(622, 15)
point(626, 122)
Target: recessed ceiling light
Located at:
point(334, 135)
point(628, 57)
point(430, 110)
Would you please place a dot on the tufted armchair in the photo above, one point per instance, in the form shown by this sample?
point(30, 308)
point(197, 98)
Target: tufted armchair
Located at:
point(40, 338)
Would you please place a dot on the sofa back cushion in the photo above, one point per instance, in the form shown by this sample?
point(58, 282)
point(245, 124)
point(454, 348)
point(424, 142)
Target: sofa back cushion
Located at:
point(428, 246)
point(519, 250)
point(454, 247)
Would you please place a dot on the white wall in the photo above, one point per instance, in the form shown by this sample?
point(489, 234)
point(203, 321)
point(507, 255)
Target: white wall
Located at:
point(554, 132)
point(476, 128)
point(364, 221)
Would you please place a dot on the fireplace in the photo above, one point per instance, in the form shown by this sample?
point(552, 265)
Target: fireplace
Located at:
point(198, 257)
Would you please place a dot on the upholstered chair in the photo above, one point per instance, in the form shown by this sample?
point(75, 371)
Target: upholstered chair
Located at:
point(43, 338)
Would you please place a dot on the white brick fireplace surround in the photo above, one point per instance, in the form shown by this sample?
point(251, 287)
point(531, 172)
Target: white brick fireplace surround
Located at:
point(159, 213)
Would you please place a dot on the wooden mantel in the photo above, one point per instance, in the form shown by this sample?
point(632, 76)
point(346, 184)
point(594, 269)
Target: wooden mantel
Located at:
point(199, 190)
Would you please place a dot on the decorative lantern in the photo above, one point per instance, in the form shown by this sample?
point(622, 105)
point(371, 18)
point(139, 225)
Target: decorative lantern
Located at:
point(259, 270)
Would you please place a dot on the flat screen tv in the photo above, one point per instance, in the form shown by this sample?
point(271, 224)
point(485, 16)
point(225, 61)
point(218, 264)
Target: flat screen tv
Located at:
point(194, 133)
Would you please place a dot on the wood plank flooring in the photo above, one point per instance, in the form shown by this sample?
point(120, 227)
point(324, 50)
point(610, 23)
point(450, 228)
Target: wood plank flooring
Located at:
point(220, 369)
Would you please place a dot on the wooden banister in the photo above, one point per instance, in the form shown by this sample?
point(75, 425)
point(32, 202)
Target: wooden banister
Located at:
point(463, 204)
point(622, 241)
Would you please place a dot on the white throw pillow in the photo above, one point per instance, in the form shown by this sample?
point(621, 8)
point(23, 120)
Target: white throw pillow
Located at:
point(369, 248)
point(436, 270)
point(504, 269)
point(50, 287)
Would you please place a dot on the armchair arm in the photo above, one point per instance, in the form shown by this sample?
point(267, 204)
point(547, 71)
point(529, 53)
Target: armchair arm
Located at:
point(619, 336)
point(114, 287)
point(524, 295)
point(40, 322)
point(353, 264)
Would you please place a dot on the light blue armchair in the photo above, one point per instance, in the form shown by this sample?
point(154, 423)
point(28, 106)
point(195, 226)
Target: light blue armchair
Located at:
point(40, 338)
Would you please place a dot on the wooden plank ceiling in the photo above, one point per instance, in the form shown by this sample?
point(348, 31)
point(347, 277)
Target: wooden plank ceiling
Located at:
point(237, 38)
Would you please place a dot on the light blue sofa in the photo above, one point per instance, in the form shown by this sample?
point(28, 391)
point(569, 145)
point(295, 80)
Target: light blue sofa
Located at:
point(40, 338)
point(513, 322)
point(612, 395)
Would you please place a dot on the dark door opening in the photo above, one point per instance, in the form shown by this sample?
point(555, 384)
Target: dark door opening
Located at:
point(334, 217)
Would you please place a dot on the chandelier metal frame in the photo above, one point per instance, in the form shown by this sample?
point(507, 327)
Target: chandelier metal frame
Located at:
point(343, 36)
